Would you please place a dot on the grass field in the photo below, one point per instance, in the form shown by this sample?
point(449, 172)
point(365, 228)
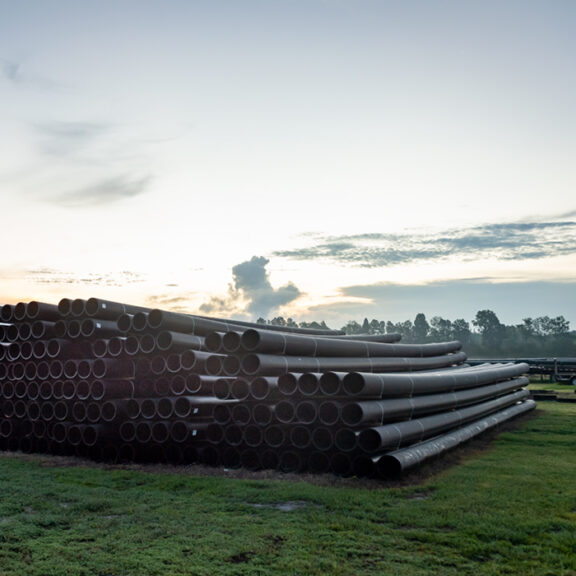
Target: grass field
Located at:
point(507, 506)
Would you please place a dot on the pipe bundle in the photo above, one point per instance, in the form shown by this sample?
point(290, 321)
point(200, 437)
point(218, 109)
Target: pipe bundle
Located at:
point(116, 382)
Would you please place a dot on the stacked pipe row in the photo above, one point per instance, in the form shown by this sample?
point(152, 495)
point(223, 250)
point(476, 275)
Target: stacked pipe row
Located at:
point(353, 406)
point(117, 382)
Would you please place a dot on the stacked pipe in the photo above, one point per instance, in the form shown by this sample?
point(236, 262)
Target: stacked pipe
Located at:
point(327, 404)
point(112, 381)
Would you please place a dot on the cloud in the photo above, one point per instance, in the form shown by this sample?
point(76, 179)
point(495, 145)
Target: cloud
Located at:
point(58, 277)
point(66, 138)
point(105, 191)
point(12, 71)
point(252, 292)
point(507, 241)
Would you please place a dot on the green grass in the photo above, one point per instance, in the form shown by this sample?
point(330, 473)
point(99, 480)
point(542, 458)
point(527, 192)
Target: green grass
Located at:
point(507, 508)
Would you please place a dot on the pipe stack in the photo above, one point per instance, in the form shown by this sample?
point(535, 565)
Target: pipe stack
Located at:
point(116, 382)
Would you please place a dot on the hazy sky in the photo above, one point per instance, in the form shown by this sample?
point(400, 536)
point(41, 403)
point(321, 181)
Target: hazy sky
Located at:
point(319, 159)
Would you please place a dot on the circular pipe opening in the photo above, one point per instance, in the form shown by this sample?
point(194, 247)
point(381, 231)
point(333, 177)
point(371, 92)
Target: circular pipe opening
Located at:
point(330, 384)
point(233, 435)
point(353, 383)
point(329, 413)
point(389, 467)
point(231, 342)
point(306, 412)
point(177, 385)
point(241, 414)
point(369, 440)
point(300, 437)
point(213, 341)
point(115, 346)
point(250, 339)
point(274, 436)
point(285, 411)
point(308, 384)
point(253, 436)
point(352, 414)
point(287, 384)
point(345, 440)
point(322, 438)
point(240, 389)
point(124, 322)
point(78, 307)
point(262, 414)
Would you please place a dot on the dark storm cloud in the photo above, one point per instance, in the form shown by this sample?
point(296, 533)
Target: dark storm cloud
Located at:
point(251, 285)
point(507, 241)
point(105, 191)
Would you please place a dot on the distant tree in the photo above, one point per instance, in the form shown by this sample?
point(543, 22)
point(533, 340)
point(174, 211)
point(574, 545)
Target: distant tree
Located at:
point(547, 326)
point(314, 325)
point(420, 328)
point(352, 327)
point(291, 323)
point(261, 321)
point(278, 321)
point(441, 329)
point(490, 328)
point(461, 331)
point(377, 327)
point(405, 329)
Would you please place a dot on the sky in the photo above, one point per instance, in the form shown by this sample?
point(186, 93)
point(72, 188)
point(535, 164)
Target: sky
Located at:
point(313, 159)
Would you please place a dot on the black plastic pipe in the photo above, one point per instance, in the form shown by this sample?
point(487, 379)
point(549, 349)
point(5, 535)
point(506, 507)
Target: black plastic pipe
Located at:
point(399, 462)
point(269, 365)
point(394, 436)
point(263, 341)
point(377, 412)
point(366, 385)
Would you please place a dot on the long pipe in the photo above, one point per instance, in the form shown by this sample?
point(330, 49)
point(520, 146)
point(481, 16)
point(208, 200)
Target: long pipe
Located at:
point(399, 462)
point(269, 365)
point(253, 340)
point(394, 436)
point(367, 385)
point(377, 412)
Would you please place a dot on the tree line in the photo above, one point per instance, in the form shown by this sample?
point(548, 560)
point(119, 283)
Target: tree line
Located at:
point(484, 337)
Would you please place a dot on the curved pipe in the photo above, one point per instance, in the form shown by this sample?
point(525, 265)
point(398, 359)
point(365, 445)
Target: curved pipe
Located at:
point(265, 342)
point(398, 462)
point(394, 436)
point(269, 365)
point(366, 385)
point(377, 412)
point(202, 325)
point(387, 338)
